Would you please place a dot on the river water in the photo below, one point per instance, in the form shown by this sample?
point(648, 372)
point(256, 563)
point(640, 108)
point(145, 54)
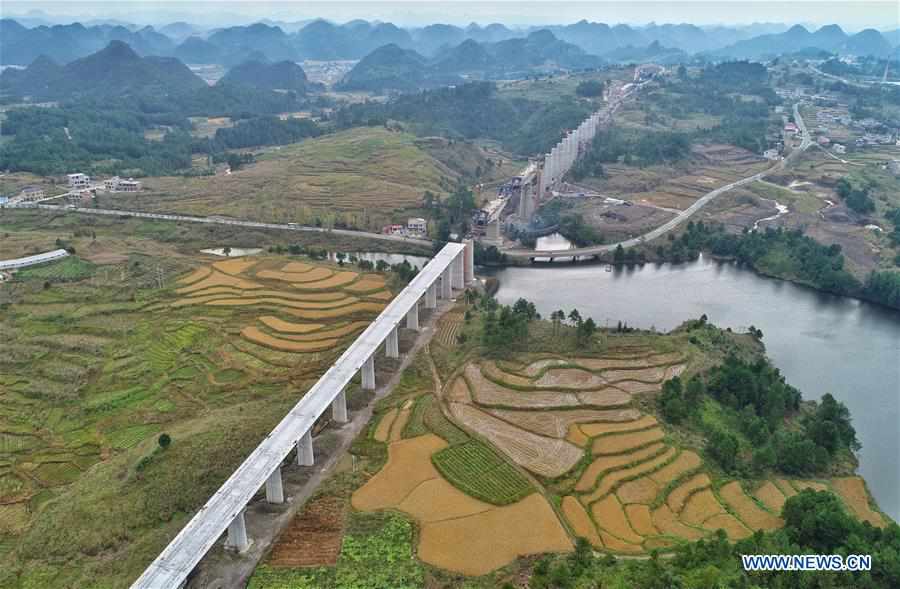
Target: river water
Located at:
point(821, 343)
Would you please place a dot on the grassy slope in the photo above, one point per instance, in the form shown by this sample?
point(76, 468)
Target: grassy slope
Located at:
point(366, 175)
point(91, 375)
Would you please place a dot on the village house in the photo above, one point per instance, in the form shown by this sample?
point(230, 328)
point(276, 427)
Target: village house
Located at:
point(417, 225)
point(78, 181)
point(31, 193)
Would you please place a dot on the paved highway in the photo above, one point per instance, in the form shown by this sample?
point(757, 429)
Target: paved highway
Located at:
point(217, 221)
point(676, 221)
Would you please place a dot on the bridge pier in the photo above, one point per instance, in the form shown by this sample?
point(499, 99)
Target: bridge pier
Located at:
point(469, 262)
point(412, 318)
point(392, 344)
point(368, 374)
point(274, 489)
point(431, 297)
point(237, 534)
point(459, 279)
point(445, 285)
point(339, 407)
point(305, 455)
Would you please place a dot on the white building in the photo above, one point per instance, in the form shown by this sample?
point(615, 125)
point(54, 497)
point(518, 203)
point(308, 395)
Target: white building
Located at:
point(31, 193)
point(417, 225)
point(79, 181)
point(116, 184)
point(771, 154)
point(838, 148)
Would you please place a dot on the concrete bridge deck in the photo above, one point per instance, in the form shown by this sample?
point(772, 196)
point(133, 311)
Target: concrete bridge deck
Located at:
point(224, 510)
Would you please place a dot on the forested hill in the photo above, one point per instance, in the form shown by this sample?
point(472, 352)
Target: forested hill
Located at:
point(283, 75)
point(394, 68)
point(116, 70)
point(475, 110)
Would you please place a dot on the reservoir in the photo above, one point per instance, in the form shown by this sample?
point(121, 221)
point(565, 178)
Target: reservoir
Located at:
point(822, 343)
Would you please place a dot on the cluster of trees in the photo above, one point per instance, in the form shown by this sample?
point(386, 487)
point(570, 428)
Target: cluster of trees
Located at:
point(584, 328)
point(558, 213)
point(638, 148)
point(855, 197)
point(106, 134)
point(266, 130)
point(883, 286)
point(758, 402)
point(453, 213)
point(49, 141)
point(505, 328)
point(815, 522)
point(474, 110)
point(590, 88)
point(780, 252)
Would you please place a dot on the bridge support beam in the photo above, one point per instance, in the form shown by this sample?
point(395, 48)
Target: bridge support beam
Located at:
point(274, 489)
point(368, 374)
point(458, 279)
point(339, 408)
point(445, 284)
point(431, 296)
point(237, 534)
point(412, 318)
point(392, 344)
point(305, 455)
point(469, 261)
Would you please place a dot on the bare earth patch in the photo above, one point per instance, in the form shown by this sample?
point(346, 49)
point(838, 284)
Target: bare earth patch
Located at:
point(488, 393)
point(700, 507)
point(313, 538)
point(733, 528)
point(598, 429)
point(610, 516)
point(679, 495)
point(610, 481)
point(384, 426)
point(481, 543)
point(408, 466)
point(641, 521)
point(606, 463)
point(853, 491)
point(618, 443)
point(749, 512)
point(580, 521)
point(666, 522)
point(557, 423)
point(548, 457)
point(770, 496)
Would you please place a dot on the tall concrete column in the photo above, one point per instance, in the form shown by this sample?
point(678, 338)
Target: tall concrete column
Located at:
point(459, 271)
point(339, 408)
point(469, 261)
point(393, 344)
point(412, 318)
point(274, 490)
point(445, 284)
point(368, 374)
point(237, 534)
point(431, 296)
point(305, 454)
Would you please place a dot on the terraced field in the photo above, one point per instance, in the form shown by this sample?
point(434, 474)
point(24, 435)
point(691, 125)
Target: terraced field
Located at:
point(100, 361)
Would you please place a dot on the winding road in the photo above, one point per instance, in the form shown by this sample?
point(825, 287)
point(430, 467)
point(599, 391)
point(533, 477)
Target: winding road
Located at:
point(683, 216)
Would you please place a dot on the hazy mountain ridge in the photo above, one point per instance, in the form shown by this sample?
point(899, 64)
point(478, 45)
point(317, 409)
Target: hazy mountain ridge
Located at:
point(353, 40)
point(394, 68)
point(115, 70)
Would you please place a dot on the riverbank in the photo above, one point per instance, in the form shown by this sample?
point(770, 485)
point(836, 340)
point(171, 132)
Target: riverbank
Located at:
point(821, 342)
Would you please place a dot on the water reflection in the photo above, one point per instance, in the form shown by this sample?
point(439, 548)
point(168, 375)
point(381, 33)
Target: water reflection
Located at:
point(821, 342)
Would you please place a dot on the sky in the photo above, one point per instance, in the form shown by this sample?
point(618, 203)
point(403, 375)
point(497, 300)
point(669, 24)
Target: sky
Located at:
point(851, 15)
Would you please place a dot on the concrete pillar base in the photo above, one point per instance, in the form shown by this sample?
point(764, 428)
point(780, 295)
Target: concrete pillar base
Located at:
point(305, 455)
point(339, 408)
point(392, 345)
point(274, 489)
point(368, 374)
point(237, 535)
point(412, 318)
